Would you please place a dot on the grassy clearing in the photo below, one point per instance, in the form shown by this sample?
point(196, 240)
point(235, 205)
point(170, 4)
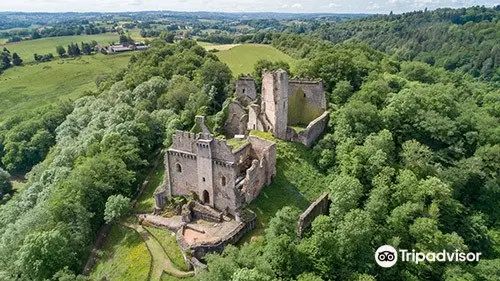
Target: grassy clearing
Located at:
point(25, 88)
point(26, 49)
point(242, 58)
point(169, 244)
point(135, 33)
point(125, 254)
point(146, 202)
point(219, 47)
point(168, 277)
point(297, 183)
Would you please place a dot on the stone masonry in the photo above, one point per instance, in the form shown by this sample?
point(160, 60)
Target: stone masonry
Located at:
point(292, 109)
point(209, 169)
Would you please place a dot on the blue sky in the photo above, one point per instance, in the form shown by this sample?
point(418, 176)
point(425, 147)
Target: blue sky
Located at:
point(306, 6)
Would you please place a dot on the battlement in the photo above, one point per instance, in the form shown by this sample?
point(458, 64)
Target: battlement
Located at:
point(298, 80)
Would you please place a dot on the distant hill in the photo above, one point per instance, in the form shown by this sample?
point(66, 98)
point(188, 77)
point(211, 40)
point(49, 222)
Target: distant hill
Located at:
point(466, 39)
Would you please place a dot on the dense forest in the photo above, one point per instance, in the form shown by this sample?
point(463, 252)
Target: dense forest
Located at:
point(465, 39)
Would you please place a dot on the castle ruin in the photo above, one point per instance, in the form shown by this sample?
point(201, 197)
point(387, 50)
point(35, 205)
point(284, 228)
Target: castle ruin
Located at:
point(218, 175)
point(292, 109)
point(223, 178)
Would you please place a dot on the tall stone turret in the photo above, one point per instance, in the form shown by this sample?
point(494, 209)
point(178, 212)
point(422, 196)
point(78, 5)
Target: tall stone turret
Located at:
point(205, 171)
point(275, 101)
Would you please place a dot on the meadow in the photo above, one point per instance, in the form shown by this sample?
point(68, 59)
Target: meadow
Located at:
point(26, 49)
point(125, 255)
point(22, 89)
point(242, 58)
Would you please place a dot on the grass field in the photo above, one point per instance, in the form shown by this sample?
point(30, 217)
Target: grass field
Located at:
point(242, 58)
point(25, 88)
point(169, 244)
point(167, 277)
point(125, 254)
point(26, 49)
point(146, 202)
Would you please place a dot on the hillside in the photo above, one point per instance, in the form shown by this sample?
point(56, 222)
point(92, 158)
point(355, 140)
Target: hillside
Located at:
point(242, 58)
point(456, 39)
point(23, 89)
point(26, 49)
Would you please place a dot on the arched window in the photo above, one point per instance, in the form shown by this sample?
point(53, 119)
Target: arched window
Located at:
point(206, 197)
point(178, 167)
point(223, 180)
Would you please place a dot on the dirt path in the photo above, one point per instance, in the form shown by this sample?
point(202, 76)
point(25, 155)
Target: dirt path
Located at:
point(161, 262)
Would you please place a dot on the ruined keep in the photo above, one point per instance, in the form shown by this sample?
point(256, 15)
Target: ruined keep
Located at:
point(292, 109)
point(219, 176)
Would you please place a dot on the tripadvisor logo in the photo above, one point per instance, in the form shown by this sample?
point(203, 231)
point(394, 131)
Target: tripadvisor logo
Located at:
point(387, 256)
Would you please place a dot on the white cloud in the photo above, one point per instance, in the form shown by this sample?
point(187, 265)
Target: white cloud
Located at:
point(340, 6)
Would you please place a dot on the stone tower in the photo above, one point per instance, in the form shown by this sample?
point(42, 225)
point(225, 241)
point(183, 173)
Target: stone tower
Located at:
point(205, 171)
point(275, 101)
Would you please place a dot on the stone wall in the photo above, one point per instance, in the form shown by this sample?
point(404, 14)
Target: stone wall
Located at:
point(262, 170)
point(320, 207)
point(245, 89)
point(313, 90)
point(200, 250)
point(311, 132)
point(275, 101)
point(182, 169)
point(237, 119)
point(160, 198)
point(306, 101)
point(225, 197)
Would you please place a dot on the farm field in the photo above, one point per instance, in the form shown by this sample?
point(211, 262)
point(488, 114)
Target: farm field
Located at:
point(26, 49)
point(25, 88)
point(242, 58)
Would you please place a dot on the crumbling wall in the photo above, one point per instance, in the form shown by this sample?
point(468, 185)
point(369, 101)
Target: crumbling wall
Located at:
point(160, 198)
point(243, 157)
point(200, 250)
point(313, 90)
point(225, 198)
point(275, 101)
point(311, 132)
point(236, 123)
point(319, 207)
point(263, 167)
point(245, 89)
point(221, 150)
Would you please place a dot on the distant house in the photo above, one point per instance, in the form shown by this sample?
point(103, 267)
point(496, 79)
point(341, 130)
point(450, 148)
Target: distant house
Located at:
point(120, 48)
point(126, 47)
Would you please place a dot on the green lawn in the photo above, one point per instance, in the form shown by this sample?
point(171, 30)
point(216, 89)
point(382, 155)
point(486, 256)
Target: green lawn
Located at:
point(168, 277)
point(297, 183)
point(146, 203)
point(24, 88)
point(26, 49)
point(242, 58)
point(125, 254)
point(169, 244)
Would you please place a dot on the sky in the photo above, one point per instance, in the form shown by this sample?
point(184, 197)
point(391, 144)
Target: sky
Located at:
point(296, 6)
